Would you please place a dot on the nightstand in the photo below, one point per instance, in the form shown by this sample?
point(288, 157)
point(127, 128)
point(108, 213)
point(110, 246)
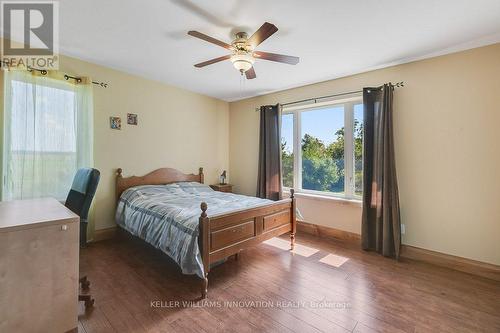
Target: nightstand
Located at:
point(222, 188)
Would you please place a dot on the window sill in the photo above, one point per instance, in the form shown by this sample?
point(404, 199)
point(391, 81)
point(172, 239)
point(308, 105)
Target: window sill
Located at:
point(331, 198)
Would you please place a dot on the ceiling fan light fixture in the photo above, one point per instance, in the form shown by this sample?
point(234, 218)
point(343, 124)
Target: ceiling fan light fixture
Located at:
point(242, 61)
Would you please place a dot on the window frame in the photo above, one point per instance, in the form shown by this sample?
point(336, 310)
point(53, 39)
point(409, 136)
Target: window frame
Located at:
point(349, 181)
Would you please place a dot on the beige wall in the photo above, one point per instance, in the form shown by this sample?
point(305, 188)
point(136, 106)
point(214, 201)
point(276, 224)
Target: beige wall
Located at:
point(447, 133)
point(177, 128)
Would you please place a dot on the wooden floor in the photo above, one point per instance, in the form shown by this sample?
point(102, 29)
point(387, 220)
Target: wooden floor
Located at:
point(269, 289)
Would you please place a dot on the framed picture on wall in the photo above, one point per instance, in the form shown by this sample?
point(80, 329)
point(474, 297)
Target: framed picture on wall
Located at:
point(115, 123)
point(131, 118)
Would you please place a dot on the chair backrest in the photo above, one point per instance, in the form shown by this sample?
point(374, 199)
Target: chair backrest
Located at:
point(82, 192)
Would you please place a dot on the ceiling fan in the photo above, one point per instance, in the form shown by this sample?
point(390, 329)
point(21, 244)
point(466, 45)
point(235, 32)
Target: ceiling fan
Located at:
point(243, 52)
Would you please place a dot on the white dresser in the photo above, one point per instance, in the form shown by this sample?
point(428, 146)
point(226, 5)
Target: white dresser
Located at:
point(39, 247)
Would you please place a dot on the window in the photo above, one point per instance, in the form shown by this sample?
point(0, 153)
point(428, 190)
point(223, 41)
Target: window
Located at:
point(322, 147)
point(47, 135)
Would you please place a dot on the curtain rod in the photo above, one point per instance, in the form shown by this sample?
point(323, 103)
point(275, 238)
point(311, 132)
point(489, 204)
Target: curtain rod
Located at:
point(396, 85)
point(67, 77)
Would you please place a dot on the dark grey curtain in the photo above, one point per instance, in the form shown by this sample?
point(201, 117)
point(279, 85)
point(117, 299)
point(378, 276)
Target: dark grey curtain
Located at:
point(269, 177)
point(381, 228)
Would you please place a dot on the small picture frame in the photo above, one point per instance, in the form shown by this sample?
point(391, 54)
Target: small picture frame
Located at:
point(115, 123)
point(131, 118)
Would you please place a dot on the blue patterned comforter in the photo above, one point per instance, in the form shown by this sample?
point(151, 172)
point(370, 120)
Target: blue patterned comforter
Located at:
point(166, 216)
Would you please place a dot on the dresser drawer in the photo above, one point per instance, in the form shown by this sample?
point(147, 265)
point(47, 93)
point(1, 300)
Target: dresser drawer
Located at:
point(230, 235)
point(276, 220)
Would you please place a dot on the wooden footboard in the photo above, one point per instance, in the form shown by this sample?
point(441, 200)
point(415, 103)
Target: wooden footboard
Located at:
point(225, 235)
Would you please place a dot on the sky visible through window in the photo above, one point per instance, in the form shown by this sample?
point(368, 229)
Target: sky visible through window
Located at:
point(358, 112)
point(322, 123)
point(319, 123)
point(287, 131)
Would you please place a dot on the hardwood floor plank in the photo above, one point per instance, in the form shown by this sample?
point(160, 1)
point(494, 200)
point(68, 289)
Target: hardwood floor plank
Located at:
point(386, 282)
point(274, 314)
point(330, 291)
point(300, 313)
point(309, 291)
point(95, 321)
point(383, 295)
point(119, 317)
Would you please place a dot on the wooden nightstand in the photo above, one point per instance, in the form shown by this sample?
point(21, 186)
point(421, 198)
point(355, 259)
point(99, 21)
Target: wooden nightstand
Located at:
point(222, 188)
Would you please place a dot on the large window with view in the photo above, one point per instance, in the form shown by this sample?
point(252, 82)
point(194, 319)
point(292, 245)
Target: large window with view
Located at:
point(47, 135)
point(322, 148)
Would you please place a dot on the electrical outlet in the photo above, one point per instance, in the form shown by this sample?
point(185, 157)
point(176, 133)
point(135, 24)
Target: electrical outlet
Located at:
point(403, 229)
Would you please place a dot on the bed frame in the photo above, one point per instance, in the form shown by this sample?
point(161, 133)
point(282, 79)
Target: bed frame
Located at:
point(225, 235)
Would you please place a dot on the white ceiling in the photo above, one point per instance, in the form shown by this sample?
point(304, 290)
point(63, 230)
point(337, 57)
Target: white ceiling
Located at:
point(333, 38)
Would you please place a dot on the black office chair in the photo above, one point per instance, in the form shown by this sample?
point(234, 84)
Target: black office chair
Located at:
point(78, 201)
point(80, 197)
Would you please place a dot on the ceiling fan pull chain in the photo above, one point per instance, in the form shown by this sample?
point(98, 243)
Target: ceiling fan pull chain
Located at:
point(241, 85)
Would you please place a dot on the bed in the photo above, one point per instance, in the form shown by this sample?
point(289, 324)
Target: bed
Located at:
point(195, 225)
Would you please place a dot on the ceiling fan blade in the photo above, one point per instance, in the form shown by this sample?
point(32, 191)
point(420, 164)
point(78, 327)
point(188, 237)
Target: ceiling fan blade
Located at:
point(276, 57)
point(212, 61)
point(250, 74)
point(264, 32)
point(209, 39)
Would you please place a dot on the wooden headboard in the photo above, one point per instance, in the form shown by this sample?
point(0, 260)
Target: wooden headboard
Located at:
point(158, 177)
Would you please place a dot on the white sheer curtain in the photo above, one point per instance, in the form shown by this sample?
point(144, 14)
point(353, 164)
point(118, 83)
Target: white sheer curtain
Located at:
point(48, 135)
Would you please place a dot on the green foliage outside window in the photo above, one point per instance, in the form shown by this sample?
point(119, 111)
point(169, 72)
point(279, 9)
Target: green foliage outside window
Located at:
point(323, 165)
point(286, 165)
